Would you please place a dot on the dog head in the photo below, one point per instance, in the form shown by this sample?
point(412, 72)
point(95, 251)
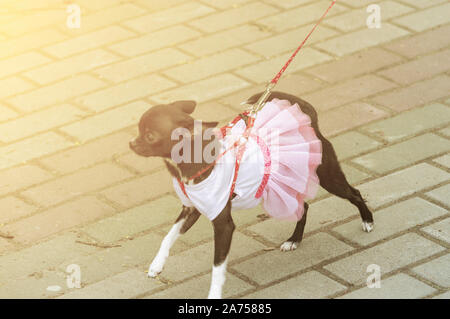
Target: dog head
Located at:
point(157, 124)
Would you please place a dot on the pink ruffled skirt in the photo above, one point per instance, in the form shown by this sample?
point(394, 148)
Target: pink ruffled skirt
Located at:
point(295, 153)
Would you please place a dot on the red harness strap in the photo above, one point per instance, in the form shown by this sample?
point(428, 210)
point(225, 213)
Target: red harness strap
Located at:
point(240, 153)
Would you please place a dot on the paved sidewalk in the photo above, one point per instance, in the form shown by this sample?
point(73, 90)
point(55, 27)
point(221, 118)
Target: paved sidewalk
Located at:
point(71, 192)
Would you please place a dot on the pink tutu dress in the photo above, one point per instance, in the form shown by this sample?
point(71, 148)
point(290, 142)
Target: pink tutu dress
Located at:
point(278, 166)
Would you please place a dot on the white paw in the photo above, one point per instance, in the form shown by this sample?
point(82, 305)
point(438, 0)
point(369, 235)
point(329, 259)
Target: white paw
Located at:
point(215, 294)
point(156, 267)
point(288, 246)
point(367, 226)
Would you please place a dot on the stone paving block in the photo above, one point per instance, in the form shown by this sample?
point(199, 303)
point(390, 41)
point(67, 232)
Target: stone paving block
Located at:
point(391, 220)
point(21, 62)
point(401, 183)
point(175, 15)
point(41, 256)
point(416, 94)
point(106, 122)
point(29, 41)
point(5, 245)
point(423, 3)
point(276, 264)
point(266, 70)
point(420, 69)
point(288, 41)
point(445, 295)
point(224, 40)
point(70, 66)
point(404, 153)
point(232, 17)
point(425, 19)
point(320, 214)
point(34, 20)
point(361, 39)
point(352, 174)
point(21, 177)
point(436, 270)
point(141, 65)
point(98, 4)
point(443, 160)
point(158, 5)
point(154, 41)
point(56, 93)
point(293, 18)
point(276, 231)
point(394, 254)
point(13, 208)
point(356, 19)
point(140, 189)
point(108, 16)
point(296, 84)
point(351, 115)
point(399, 286)
point(348, 91)
point(88, 41)
point(135, 220)
point(124, 285)
point(202, 230)
point(33, 123)
point(35, 286)
point(441, 194)
point(200, 258)
point(421, 43)
point(203, 90)
point(310, 285)
point(285, 4)
point(352, 143)
point(81, 182)
point(354, 65)
point(439, 230)
point(211, 65)
point(140, 163)
point(125, 92)
point(81, 156)
point(30, 148)
point(357, 3)
point(107, 262)
point(411, 122)
point(198, 288)
point(54, 220)
point(6, 113)
point(445, 131)
point(11, 86)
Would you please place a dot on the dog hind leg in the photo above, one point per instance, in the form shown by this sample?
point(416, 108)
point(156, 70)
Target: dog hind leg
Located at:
point(187, 218)
point(333, 180)
point(297, 236)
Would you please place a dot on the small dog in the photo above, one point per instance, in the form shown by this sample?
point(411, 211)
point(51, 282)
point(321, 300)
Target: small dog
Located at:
point(155, 129)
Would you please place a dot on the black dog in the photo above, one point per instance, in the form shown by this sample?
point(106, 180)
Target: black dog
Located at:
point(155, 128)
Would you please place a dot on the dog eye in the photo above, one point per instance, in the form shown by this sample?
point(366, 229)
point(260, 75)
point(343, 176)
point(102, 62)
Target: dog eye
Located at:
point(149, 137)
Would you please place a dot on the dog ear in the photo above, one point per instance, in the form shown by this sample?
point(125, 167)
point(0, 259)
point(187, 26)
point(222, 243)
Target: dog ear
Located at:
point(185, 106)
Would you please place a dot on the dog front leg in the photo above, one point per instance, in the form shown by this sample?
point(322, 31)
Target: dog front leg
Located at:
point(223, 233)
point(187, 218)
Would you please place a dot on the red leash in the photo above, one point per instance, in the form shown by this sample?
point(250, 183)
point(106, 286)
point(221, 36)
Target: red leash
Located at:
point(280, 73)
point(251, 118)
